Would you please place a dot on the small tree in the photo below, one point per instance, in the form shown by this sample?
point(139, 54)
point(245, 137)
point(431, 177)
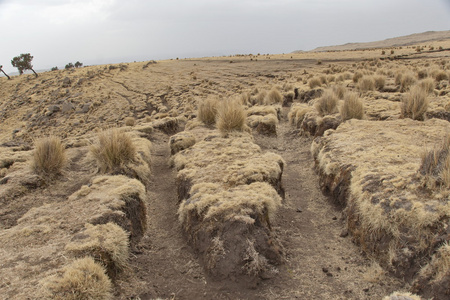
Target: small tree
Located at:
point(78, 64)
point(23, 62)
point(1, 69)
point(69, 66)
point(54, 69)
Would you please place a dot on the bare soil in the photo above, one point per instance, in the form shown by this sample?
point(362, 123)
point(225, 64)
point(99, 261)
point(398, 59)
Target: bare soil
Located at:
point(320, 260)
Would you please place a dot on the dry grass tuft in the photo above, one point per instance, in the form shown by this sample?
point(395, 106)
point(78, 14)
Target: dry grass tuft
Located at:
point(82, 279)
point(353, 107)
point(114, 150)
point(366, 83)
point(49, 156)
point(357, 76)
point(273, 97)
point(207, 110)
point(297, 114)
point(327, 104)
point(340, 91)
point(406, 81)
point(231, 116)
point(380, 82)
point(435, 165)
point(440, 75)
point(314, 82)
point(427, 84)
point(129, 121)
point(415, 104)
point(402, 296)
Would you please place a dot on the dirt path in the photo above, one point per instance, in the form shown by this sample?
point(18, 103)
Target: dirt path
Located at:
point(320, 264)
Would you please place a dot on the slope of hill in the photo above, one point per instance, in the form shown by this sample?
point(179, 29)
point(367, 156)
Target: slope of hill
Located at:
point(407, 40)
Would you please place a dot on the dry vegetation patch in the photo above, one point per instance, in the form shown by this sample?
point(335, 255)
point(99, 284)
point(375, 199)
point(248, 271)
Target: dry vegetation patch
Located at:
point(229, 192)
point(373, 171)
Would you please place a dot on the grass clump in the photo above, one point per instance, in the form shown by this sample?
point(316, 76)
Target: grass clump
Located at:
point(129, 121)
point(273, 97)
point(380, 82)
point(435, 165)
point(49, 156)
point(366, 83)
point(297, 114)
point(406, 81)
point(415, 104)
point(340, 91)
point(327, 104)
point(231, 116)
point(357, 76)
point(314, 82)
point(207, 111)
point(82, 279)
point(427, 84)
point(114, 150)
point(353, 107)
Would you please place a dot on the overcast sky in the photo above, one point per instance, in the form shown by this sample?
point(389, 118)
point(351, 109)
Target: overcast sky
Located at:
point(56, 32)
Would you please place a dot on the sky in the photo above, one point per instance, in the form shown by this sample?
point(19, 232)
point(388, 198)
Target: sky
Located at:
point(57, 32)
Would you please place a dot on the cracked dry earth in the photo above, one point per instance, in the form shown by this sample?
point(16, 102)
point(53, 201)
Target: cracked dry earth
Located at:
point(321, 262)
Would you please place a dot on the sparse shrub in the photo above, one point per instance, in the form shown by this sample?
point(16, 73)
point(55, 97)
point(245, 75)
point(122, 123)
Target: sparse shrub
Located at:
point(82, 279)
point(353, 107)
point(435, 165)
point(230, 116)
point(273, 97)
point(392, 52)
point(421, 74)
point(327, 104)
point(207, 110)
point(49, 156)
point(129, 121)
point(314, 82)
point(380, 82)
point(54, 69)
point(357, 76)
point(415, 104)
point(114, 150)
point(69, 66)
point(406, 82)
point(366, 83)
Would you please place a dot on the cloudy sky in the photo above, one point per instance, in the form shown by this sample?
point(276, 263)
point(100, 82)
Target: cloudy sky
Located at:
point(56, 32)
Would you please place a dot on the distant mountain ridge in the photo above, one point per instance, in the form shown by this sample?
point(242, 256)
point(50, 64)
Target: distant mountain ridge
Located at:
point(407, 40)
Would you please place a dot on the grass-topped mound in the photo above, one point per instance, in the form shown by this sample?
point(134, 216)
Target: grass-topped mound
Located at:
point(229, 192)
point(376, 172)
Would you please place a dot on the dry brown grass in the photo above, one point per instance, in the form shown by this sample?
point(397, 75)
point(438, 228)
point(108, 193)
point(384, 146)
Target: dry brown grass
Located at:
point(366, 83)
point(353, 107)
point(207, 110)
point(231, 116)
point(440, 75)
point(129, 121)
point(114, 150)
point(314, 82)
point(273, 97)
point(82, 279)
point(428, 84)
point(435, 165)
point(327, 104)
point(357, 76)
point(415, 104)
point(339, 91)
point(380, 82)
point(49, 156)
point(297, 114)
point(407, 80)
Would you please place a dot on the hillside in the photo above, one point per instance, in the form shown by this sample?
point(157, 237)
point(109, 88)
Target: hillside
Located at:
point(408, 40)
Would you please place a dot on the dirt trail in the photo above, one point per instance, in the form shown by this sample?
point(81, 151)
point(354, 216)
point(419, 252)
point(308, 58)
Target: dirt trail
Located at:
point(320, 264)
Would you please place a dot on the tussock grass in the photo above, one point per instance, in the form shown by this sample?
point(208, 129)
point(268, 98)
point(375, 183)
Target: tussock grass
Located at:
point(129, 121)
point(297, 114)
point(260, 97)
point(273, 97)
point(407, 80)
point(82, 279)
point(366, 83)
point(314, 82)
point(357, 76)
point(435, 165)
point(339, 91)
point(440, 75)
point(231, 116)
point(114, 150)
point(380, 82)
point(207, 110)
point(427, 84)
point(49, 156)
point(353, 107)
point(327, 104)
point(402, 296)
point(415, 104)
